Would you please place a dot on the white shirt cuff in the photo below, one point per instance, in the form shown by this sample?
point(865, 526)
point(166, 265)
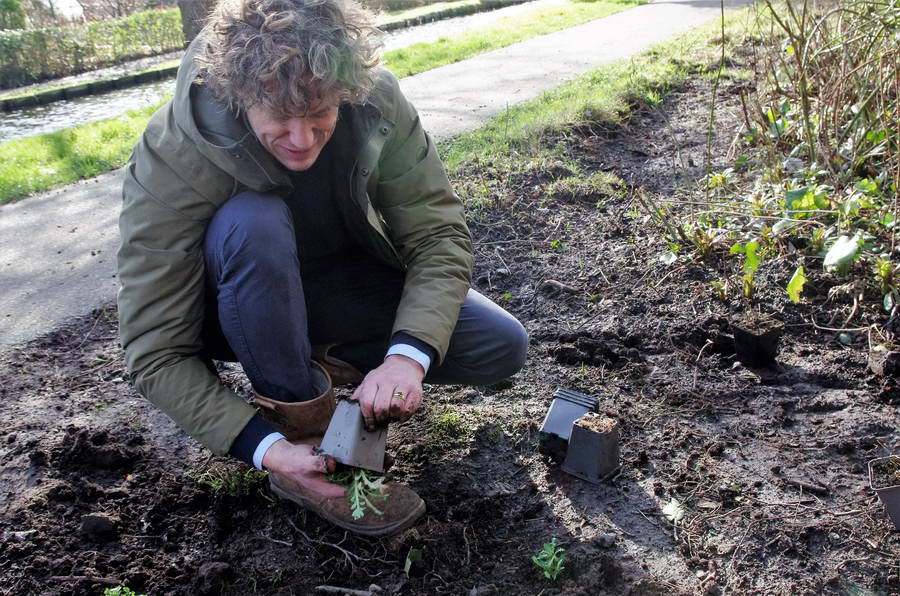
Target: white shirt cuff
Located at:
point(410, 352)
point(263, 446)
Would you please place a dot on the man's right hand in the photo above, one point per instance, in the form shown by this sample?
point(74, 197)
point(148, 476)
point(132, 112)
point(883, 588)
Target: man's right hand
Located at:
point(299, 464)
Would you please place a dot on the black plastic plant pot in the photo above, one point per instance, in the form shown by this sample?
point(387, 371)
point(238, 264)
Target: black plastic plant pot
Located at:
point(593, 453)
point(567, 407)
point(348, 441)
point(884, 478)
point(756, 339)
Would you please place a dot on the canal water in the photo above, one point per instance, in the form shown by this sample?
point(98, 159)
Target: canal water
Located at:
point(65, 114)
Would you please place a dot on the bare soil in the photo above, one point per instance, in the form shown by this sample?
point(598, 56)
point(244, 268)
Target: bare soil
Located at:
point(767, 466)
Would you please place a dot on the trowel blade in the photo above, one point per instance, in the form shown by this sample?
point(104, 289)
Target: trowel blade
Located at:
point(348, 441)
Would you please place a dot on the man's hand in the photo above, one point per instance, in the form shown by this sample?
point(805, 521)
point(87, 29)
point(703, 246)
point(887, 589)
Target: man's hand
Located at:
point(379, 393)
point(299, 464)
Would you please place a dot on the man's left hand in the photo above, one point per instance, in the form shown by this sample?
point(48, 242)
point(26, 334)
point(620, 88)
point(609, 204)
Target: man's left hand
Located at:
point(391, 392)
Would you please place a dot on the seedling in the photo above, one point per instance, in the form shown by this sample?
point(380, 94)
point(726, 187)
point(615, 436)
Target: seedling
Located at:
point(362, 487)
point(121, 591)
point(550, 559)
point(413, 556)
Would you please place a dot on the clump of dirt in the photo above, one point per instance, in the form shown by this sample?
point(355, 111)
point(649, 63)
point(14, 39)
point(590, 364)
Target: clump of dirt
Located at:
point(733, 479)
point(597, 423)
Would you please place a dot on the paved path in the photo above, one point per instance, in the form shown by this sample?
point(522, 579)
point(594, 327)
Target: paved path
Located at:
point(57, 258)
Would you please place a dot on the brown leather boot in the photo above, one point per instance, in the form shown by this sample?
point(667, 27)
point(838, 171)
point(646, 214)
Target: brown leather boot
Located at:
point(342, 373)
point(302, 421)
point(399, 511)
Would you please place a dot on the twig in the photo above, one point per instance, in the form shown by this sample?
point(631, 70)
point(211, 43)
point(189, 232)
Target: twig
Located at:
point(807, 486)
point(351, 592)
point(552, 284)
point(349, 555)
point(849, 330)
point(88, 334)
point(275, 540)
point(843, 513)
point(110, 581)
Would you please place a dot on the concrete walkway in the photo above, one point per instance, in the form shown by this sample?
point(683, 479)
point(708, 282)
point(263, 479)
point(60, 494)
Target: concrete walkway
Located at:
point(57, 258)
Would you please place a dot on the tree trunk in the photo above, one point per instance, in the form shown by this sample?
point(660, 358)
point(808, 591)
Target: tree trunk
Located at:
point(193, 16)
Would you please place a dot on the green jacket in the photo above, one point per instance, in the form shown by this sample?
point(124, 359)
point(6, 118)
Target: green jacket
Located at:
point(194, 156)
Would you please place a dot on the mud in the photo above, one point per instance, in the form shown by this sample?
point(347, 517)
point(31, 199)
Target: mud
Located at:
point(764, 469)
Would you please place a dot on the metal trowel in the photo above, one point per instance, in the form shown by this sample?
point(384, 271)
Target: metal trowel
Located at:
point(348, 441)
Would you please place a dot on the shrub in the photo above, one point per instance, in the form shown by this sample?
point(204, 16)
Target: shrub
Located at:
point(12, 15)
point(38, 54)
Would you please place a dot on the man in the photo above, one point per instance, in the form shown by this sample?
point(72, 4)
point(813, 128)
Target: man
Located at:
point(285, 209)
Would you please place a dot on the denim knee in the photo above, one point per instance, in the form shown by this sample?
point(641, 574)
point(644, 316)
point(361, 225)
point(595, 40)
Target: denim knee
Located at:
point(250, 228)
point(511, 351)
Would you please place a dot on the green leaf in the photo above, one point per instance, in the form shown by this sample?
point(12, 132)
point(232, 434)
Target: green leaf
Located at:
point(414, 555)
point(550, 559)
point(753, 260)
point(361, 487)
point(781, 226)
point(795, 286)
point(736, 249)
point(842, 252)
point(793, 197)
point(867, 185)
point(668, 257)
point(674, 510)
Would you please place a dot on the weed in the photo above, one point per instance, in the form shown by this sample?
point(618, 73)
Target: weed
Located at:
point(550, 559)
point(557, 245)
point(228, 480)
point(362, 487)
point(120, 591)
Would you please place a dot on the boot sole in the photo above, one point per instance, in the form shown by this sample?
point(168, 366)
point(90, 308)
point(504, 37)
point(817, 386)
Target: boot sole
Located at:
point(383, 530)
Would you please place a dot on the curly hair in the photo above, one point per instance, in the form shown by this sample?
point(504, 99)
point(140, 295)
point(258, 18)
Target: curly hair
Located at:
point(286, 54)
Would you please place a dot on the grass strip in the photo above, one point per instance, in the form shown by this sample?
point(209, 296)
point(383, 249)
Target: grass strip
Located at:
point(605, 97)
point(41, 162)
point(45, 161)
point(421, 11)
point(507, 31)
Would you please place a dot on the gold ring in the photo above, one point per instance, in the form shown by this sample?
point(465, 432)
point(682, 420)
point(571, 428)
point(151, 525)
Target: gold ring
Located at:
point(399, 395)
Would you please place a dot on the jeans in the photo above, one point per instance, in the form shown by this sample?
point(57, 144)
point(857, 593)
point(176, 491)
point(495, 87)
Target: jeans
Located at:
point(263, 312)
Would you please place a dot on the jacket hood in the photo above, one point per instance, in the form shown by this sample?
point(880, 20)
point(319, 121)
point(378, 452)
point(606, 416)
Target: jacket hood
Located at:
point(218, 133)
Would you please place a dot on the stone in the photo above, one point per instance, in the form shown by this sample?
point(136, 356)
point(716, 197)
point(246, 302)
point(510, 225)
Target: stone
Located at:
point(100, 525)
point(883, 361)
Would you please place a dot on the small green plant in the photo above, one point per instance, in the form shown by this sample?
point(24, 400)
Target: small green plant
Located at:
point(557, 245)
point(795, 285)
point(225, 479)
point(448, 424)
point(550, 559)
point(720, 288)
point(120, 591)
point(751, 264)
point(362, 487)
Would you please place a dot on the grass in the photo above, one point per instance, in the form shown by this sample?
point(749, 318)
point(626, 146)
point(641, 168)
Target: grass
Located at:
point(507, 31)
point(37, 163)
point(530, 138)
point(419, 11)
point(605, 97)
point(229, 479)
point(42, 162)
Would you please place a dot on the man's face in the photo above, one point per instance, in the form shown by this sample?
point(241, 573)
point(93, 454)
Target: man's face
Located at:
point(295, 141)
